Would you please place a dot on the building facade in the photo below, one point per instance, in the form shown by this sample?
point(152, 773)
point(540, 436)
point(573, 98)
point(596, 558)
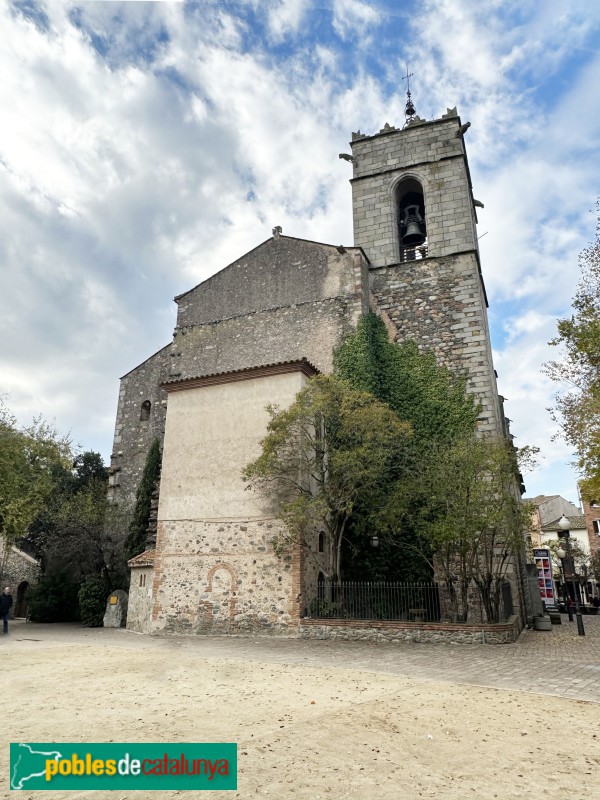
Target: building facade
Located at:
point(252, 335)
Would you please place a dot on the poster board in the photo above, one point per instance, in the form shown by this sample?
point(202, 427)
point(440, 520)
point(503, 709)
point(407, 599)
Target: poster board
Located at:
point(543, 562)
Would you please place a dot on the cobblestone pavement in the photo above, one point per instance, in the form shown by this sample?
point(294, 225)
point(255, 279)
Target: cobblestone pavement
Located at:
point(556, 662)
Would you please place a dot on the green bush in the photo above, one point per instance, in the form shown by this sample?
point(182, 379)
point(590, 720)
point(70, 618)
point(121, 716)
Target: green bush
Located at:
point(92, 602)
point(54, 599)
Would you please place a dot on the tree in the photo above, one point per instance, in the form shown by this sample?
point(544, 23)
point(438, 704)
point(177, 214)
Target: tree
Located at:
point(67, 535)
point(30, 459)
point(471, 518)
point(577, 409)
point(434, 401)
point(135, 542)
point(332, 449)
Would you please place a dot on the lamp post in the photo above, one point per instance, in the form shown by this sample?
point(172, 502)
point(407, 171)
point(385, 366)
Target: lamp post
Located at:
point(564, 533)
point(562, 555)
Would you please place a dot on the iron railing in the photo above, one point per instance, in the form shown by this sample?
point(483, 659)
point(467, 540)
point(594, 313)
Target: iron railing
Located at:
point(413, 253)
point(413, 602)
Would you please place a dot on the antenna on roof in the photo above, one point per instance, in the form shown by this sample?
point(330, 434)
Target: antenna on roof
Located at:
point(409, 110)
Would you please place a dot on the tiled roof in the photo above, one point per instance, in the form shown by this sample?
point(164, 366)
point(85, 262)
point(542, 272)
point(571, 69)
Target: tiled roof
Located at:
point(540, 498)
point(576, 523)
point(145, 559)
point(245, 371)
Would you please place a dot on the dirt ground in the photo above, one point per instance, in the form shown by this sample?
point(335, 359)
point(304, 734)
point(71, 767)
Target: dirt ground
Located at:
point(303, 732)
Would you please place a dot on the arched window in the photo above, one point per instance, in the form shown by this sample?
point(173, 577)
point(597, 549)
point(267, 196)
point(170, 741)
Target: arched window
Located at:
point(145, 411)
point(321, 542)
point(321, 586)
point(410, 215)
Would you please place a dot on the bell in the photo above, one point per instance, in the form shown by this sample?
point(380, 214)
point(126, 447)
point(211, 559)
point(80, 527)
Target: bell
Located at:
point(414, 224)
point(413, 235)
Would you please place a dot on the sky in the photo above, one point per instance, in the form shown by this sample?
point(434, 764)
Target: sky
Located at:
point(146, 145)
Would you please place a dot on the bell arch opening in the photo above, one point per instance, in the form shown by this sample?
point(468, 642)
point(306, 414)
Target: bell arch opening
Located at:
point(411, 220)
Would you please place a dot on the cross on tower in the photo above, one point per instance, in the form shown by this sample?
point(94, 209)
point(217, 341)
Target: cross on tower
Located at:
point(409, 111)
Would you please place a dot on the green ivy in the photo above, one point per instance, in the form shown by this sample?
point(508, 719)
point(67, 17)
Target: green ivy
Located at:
point(434, 400)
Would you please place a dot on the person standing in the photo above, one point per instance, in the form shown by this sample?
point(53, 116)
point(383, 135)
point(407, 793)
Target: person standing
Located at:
point(6, 602)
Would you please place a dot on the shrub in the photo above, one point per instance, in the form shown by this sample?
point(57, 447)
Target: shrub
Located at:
point(54, 599)
point(92, 602)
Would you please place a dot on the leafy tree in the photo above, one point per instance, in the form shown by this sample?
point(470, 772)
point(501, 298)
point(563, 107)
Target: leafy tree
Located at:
point(435, 402)
point(68, 534)
point(577, 409)
point(471, 518)
point(332, 447)
point(30, 458)
point(136, 539)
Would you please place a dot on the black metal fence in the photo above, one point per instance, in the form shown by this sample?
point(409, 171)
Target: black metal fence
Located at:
point(413, 602)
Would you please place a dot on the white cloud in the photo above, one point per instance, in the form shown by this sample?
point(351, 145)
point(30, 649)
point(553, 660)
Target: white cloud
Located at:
point(145, 146)
point(285, 17)
point(353, 18)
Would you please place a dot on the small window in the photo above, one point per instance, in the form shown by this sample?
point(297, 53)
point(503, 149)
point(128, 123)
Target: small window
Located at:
point(593, 504)
point(143, 579)
point(321, 542)
point(596, 526)
point(145, 411)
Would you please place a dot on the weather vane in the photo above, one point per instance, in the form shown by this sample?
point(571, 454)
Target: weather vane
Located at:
point(409, 111)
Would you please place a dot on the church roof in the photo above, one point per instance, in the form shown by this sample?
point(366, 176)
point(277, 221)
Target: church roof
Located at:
point(280, 238)
point(147, 360)
point(299, 365)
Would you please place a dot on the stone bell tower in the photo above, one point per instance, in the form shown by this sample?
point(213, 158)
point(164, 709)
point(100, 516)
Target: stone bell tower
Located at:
point(414, 216)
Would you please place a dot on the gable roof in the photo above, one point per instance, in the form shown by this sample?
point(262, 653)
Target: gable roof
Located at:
point(258, 247)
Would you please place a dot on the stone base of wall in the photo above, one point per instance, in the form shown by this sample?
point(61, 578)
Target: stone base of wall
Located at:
point(399, 631)
point(365, 631)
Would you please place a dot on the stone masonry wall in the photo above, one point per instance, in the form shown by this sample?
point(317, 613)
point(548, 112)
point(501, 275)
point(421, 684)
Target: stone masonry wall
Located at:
point(139, 609)
point(134, 436)
point(398, 632)
point(223, 577)
point(432, 154)
point(18, 567)
point(438, 302)
point(285, 300)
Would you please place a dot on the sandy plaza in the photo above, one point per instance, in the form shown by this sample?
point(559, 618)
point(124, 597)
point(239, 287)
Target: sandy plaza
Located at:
point(322, 719)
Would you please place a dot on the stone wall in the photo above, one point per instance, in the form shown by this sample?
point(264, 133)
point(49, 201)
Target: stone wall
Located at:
point(399, 632)
point(432, 154)
point(18, 569)
point(133, 433)
point(139, 610)
point(223, 577)
point(285, 300)
point(437, 300)
point(439, 303)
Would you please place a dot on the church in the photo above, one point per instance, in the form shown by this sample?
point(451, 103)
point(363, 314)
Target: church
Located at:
point(252, 335)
